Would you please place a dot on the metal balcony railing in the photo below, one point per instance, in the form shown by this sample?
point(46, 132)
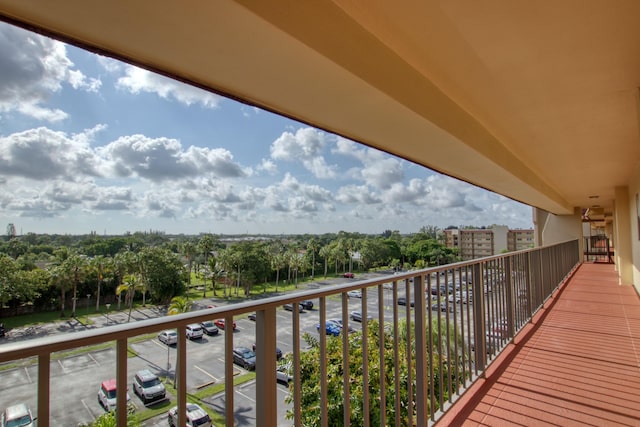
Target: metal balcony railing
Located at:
point(423, 354)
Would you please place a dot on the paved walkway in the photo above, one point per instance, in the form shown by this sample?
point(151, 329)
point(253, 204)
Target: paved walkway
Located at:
point(578, 364)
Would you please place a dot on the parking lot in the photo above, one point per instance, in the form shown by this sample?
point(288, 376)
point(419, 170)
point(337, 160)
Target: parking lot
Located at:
point(75, 380)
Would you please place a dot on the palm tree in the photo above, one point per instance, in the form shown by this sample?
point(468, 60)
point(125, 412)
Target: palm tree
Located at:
point(179, 305)
point(325, 252)
point(313, 247)
point(189, 252)
point(100, 265)
point(277, 262)
point(131, 284)
point(75, 268)
point(206, 244)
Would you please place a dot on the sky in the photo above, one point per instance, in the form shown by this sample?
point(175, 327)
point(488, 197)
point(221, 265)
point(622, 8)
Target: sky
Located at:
point(90, 144)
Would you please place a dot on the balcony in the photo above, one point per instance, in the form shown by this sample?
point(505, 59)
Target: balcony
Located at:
point(479, 359)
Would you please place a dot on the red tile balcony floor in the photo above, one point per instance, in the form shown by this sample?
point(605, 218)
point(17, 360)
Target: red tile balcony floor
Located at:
point(576, 364)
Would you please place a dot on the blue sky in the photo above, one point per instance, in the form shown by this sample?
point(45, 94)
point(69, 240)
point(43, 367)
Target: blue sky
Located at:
point(91, 144)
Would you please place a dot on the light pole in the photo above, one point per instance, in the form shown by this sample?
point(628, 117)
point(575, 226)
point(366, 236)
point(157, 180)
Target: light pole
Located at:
point(108, 307)
point(88, 296)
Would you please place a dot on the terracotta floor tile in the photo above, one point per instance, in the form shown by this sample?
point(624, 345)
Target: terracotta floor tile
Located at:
point(579, 367)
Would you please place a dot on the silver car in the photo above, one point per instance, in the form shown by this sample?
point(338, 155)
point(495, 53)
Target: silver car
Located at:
point(17, 416)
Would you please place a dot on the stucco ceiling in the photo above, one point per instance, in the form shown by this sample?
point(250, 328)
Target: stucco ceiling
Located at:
point(537, 101)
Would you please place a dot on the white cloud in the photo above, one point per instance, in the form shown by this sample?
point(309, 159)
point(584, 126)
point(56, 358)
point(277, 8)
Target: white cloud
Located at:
point(33, 68)
point(378, 170)
point(162, 159)
point(137, 80)
point(305, 146)
point(42, 154)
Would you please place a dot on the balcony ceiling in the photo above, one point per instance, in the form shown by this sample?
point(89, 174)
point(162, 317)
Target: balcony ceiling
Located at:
point(534, 100)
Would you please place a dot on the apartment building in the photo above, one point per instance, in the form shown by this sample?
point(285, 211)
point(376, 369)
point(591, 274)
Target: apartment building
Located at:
point(478, 243)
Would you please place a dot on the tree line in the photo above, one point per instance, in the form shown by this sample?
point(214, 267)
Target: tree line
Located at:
point(55, 271)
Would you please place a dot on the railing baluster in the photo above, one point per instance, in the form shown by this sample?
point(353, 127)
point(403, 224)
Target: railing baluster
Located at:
point(181, 373)
point(229, 412)
point(365, 362)
point(266, 401)
point(121, 381)
point(422, 378)
point(345, 357)
point(381, 355)
point(44, 372)
point(396, 356)
point(324, 421)
point(297, 410)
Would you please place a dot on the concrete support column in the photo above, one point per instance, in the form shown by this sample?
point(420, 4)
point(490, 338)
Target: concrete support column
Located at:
point(623, 232)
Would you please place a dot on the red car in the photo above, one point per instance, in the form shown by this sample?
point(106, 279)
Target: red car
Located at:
point(220, 324)
point(348, 275)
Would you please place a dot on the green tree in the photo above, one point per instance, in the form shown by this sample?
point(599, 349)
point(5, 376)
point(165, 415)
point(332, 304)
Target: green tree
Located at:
point(8, 278)
point(325, 252)
point(312, 247)
point(131, 284)
point(75, 269)
point(165, 275)
point(189, 252)
point(179, 304)
point(99, 265)
point(445, 365)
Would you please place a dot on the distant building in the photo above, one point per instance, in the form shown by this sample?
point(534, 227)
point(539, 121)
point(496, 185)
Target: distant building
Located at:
point(478, 243)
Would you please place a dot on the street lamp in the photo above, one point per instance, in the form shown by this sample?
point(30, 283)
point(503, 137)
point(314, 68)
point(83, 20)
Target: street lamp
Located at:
point(88, 296)
point(108, 307)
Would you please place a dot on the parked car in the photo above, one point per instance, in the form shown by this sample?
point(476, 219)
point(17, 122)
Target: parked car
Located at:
point(194, 331)
point(331, 328)
point(403, 301)
point(107, 395)
point(356, 293)
point(17, 416)
point(340, 325)
point(148, 386)
point(220, 324)
point(357, 316)
point(442, 307)
point(196, 416)
point(306, 304)
point(169, 337)
point(244, 357)
point(289, 307)
point(252, 316)
point(209, 327)
point(278, 351)
point(283, 374)
point(348, 275)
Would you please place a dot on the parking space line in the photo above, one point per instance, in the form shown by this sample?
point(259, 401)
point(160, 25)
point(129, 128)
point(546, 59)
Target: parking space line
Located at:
point(285, 391)
point(94, 359)
point(205, 372)
point(87, 408)
point(26, 371)
point(245, 396)
point(62, 366)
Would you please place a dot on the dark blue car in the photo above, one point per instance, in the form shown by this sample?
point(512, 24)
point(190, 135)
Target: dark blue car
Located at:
point(331, 329)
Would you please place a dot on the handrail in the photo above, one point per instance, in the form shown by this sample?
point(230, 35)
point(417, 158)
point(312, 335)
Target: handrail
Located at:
point(511, 287)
